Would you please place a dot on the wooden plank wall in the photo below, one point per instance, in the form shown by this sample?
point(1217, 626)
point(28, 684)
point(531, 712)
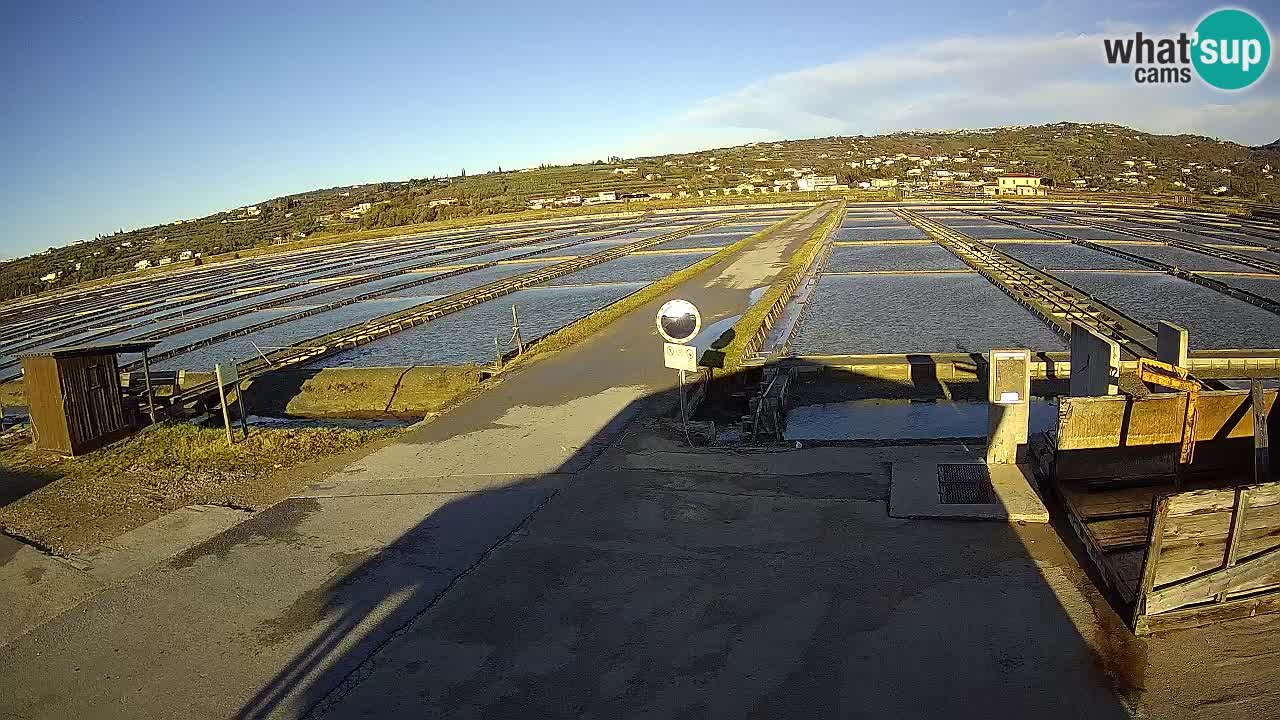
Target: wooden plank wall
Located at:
point(91, 394)
point(1123, 437)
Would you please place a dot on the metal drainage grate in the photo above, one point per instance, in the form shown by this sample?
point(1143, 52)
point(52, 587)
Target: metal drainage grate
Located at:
point(965, 484)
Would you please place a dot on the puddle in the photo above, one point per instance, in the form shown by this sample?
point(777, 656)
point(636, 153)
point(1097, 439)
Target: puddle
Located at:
point(902, 420)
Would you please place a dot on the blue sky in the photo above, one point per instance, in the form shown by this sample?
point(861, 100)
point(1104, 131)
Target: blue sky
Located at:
point(122, 114)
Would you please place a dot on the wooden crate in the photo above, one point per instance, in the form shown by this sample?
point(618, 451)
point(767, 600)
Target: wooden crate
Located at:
point(1171, 554)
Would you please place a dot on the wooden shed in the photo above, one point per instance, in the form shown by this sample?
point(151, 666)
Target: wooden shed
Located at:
point(75, 397)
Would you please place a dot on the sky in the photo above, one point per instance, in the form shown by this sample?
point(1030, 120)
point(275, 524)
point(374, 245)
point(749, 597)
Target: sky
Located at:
point(126, 114)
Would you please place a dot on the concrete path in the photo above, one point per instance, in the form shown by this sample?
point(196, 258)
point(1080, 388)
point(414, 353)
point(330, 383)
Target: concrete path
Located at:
point(269, 617)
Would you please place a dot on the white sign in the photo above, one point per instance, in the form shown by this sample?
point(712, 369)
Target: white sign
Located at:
point(1009, 398)
point(680, 357)
point(228, 374)
point(679, 321)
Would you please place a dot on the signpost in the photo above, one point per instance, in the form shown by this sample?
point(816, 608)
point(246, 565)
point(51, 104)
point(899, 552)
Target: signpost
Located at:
point(678, 322)
point(229, 374)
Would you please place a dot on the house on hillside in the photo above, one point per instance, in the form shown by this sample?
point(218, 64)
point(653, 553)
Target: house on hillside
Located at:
point(1023, 184)
point(626, 171)
point(443, 203)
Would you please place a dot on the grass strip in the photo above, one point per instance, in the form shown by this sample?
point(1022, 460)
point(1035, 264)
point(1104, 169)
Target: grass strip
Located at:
point(754, 320)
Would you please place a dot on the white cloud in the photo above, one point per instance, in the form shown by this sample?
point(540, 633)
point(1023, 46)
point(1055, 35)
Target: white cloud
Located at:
point(976, 81)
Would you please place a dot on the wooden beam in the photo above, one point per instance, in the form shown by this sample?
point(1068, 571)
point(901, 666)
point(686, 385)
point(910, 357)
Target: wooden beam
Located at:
point(1208, 614)
point(1233, 539)
point(1155, 536)
point(1261, 443)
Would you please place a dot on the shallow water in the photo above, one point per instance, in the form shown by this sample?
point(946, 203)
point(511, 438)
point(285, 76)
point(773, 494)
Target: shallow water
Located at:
point(707, 239)
point(871, 314)
point(468, 280)
point(905, 232)
point(1266, 287)
point(982, 232)
point(467, 336)
point(633, 268)
point(1065, 256)
point(1214, 321)
point(903, 420)
point(242, 348)
point(1185, 259)
point(892, 257)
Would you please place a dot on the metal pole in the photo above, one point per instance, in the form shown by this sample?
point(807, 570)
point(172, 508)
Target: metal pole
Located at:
point(244, 418)
point(226, 418)
point(684, 418)
point(146, 374)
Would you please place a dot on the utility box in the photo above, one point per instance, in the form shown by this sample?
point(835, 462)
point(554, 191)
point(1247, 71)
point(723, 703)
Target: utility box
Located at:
point(1009, 406)
point(75, 398)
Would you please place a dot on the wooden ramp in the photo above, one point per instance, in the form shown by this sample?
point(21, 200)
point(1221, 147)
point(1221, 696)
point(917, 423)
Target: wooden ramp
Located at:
point(1172, 552)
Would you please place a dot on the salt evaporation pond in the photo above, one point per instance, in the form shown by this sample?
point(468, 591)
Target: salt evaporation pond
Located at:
point(875, 314)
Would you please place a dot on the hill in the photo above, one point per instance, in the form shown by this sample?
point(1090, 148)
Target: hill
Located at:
point(1094, 156)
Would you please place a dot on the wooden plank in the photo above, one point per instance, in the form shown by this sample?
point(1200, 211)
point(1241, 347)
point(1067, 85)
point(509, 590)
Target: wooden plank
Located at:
point(1098, 503)
point(1117, 533)
point(1233, 539)
point(1151, 558)
point(1208, 614)
point(1261, 569)
point(1125, 567)
point(1188, 560)
point(1196, 502)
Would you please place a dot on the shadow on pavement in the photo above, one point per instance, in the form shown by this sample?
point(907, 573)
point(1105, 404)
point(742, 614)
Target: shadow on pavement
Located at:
point(661, 581)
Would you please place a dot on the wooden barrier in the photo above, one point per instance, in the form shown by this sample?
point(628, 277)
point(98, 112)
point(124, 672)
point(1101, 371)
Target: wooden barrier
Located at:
point(1118, 436)
point(1173, 555)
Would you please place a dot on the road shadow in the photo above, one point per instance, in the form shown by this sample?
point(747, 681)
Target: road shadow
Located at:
point(16, 483)
point(644, 578)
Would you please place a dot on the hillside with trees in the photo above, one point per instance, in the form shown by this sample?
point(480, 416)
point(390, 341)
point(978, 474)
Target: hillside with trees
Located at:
point(1087, 157)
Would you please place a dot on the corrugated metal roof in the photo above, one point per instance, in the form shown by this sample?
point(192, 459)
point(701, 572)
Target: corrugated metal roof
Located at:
point(130, 346)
